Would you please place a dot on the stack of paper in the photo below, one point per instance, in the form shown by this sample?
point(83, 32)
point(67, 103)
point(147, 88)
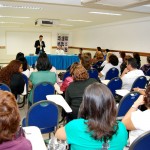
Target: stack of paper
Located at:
point(122, 92)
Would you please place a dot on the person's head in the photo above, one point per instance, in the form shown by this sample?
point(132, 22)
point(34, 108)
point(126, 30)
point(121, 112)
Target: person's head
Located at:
point(99, 56)
point(86, 61)
point(126, 58)
point(122, 55)
point(147, 97)
point(9, 116)
point(131, 64)
point(137, 57)
point(148, 59)
point(19, 56)
point(108, 55)
point(41, 37)
point(80, 73)
point(113, 59)
point(98, 49)
point(73, 66)
point(43, 63)
point(99, 109)
point(80, 50)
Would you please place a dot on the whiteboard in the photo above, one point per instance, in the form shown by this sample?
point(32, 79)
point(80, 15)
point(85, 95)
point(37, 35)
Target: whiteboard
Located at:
point(24, 42)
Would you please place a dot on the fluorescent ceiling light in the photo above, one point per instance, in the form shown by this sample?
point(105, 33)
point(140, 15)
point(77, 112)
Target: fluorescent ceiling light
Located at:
point(78, 20)
point(14, 17)
point(105, 13)
point(146, 5)
point(20, 7)
point(65, 25)
point(11, 23)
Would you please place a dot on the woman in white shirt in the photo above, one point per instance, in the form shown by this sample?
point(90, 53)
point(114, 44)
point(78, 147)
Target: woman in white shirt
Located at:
point(59, 50)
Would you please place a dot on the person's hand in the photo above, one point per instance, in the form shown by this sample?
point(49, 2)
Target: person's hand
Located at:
point(125, 71)
point(139, 101)
point(38, 46)
point(136, 89)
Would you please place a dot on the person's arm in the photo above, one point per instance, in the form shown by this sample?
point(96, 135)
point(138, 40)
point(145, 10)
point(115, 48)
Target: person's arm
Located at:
point(127, 118)
point(61, 134)
point(67, 97)
point(43, 44)
point(100, 75)
point(124, 72)
point(141, 91)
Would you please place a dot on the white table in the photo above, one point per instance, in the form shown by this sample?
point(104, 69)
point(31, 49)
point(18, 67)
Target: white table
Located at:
point(33, 134)
point(105, 81)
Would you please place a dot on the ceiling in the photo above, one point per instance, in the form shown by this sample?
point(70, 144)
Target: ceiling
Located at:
point(62, 10)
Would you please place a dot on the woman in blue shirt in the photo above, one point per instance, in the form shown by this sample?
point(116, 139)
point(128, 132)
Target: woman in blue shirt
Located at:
point(96, 128)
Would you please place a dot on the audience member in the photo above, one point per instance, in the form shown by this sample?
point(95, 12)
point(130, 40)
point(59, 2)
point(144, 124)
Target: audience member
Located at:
point(96, 127)
point(107, 59)
point(75, 90)
point(43, 74)
point(11, 134)
point(11, 75)
point(80, 53)
point(86, 61)
point(137, 57)
point(130, 74)
point(138, 121)
point(105, 53)
point(146, 67)
point(59, 50)
point(122, 57)
point(113, 62)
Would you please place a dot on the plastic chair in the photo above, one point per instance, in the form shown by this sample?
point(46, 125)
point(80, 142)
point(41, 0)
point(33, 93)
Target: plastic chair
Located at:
point(148, 72)
point(66, 74)
point(41, 90)
point(142, 142)
point(4, 87)
point(97, 66)
point(93, 73)
point(126, 103)
point(114, 84)
point(44, 115)
point(139, 82)
point(112, 73)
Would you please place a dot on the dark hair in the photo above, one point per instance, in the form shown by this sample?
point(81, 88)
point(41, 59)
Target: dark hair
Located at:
point(113, 59)
point(24, 63)
point(40, 36)
point(122, 55)
point(147, 97)
point(99, 49)
point(132, 62)
point(100, 110)
point(19, 56)
point(43, 63)
point(7, 72)
point(107, 50)
point(86, 61)
point(148, 59)
point(9, 116)
point(137, 57)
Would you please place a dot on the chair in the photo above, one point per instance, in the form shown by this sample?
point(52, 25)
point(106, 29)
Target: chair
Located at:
point(44, 115)
point(93, 73)
point(114, 84)
point(67, 74)
point(142, 142)
point(112, 73)
point(97, 66)
point(139, 82)
point(4, 87)
point(41, 90)
point(148, 72)
point(126, 103)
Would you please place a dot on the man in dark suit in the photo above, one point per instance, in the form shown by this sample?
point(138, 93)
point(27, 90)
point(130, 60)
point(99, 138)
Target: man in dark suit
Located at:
point(39, 45)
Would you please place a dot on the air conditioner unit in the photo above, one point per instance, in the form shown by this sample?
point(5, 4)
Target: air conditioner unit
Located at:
point(89, 1)
point(46, 22)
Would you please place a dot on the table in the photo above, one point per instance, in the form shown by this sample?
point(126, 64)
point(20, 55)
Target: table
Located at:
point(60, 62)
point(33, 134)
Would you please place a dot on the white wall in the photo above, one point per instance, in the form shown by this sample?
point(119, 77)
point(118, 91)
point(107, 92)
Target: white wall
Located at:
point(132, 35)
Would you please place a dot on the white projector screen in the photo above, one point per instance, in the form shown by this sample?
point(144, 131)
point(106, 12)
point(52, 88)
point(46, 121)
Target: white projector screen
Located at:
point(24, 42)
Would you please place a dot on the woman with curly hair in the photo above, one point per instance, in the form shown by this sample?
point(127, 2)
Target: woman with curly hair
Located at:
point(96, 128)
point(11, 76)
point(138, 121)
point(11, 134)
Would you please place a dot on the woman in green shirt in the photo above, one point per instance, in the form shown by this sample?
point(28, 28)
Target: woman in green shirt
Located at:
point(96, 128)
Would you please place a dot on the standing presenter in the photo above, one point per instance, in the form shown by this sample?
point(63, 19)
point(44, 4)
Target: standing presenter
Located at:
point(39, 45)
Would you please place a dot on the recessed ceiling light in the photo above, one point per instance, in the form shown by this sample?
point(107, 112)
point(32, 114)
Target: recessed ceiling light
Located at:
point(78, 20)
point(65, 25)
point(19, 7)
point(11, 22)
point(105, 13)
point(14, 17)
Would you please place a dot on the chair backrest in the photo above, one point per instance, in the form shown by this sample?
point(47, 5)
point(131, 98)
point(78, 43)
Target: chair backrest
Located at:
point(44, 115)
point(66, 74)
point(41, 90)
point(126, 103)
point(142, 142)
point(114, 84)
point(4, 87)
point(93, 73)
point(140, 82)
point(112, 73)
point(148, 72)
point(26, 81)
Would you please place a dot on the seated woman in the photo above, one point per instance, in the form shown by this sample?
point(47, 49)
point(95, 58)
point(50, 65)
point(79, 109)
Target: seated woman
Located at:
point(138, 59)
point(11, 75)
point(96, 128)
point(146, 67)
point(86, 61)
point(113, 62)
point(75, 90)
point(43, 74)
point(11, 134)
point(138, 121)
